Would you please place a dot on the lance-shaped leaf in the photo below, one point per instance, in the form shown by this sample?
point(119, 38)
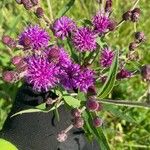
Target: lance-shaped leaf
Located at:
point(63, 11)
point(108, 85)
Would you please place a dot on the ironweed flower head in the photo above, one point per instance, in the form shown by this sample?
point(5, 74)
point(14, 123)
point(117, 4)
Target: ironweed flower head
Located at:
point(101, 23)
point(63, 26)
point(40, 73)
point(34, 37)
point(84, 39)
point(106, 57)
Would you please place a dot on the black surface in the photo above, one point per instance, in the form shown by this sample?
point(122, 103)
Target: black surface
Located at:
point(37, 131)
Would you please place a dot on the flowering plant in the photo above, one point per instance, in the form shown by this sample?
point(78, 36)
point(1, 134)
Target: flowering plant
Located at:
point(75, 61)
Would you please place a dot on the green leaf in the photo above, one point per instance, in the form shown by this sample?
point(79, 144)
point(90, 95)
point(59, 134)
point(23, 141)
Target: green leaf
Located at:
point(71, 101)
point(81, 96)
point(63, 11)
point(34, 110)
point(116, 112)
point(97, 132)
point(107, 87)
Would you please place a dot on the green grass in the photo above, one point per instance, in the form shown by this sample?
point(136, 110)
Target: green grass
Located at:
point(121, 134)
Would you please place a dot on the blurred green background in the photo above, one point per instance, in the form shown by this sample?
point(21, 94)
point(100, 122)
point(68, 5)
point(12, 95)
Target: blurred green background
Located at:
point(121, 134)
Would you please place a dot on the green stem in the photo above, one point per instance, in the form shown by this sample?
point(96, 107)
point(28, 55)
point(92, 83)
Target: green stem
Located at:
point(50, 10)
point(125, 103)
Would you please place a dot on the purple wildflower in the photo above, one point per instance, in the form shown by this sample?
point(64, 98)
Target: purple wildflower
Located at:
point(34, 37)
point(69, 76)
point(63, 26)
point(106, 57)
point(123, 73)
point(41, 74)
point(101, 23)
point(85, 79)
point(84, 39)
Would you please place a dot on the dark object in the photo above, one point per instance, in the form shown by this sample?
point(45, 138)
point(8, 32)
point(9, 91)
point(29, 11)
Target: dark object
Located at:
point(38, 131)
point(140, 36)
point(133, 46)
point(135, 14)
point(126, 16)
point(145, 72)
point(108, 6)
point(39, 12)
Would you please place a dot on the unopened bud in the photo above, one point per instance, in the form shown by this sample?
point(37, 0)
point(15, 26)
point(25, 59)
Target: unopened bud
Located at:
point(76, 112)
point(145, 72)
point(108, 6)
point(127, 15)
point(19, 1)
point(6, 39)
point(92, 105)
point(112, 25)
point(16, 60)
point(34, 2)
point(54, 54)
point(62, 136)
point(97, 122)
point(9, 76)
point(28, 6)
point(133, 46)
point(91, 91)
point(135, 14)
point(140, 36)
point(78, 122)
point(39, 12)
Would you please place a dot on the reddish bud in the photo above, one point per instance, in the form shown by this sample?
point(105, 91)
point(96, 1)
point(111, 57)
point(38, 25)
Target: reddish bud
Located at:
point(6, 39)
point(78, 122)
point(133, 46)
point(19, 1)
point(145, 72)
point(24, 2)
point(28, 6)
point(16, 60)
point(108, 6)
point(140, 36)
point(112, 25)
point(62, 136)
point(39, 12)
point(9, 76)
point(91, 90)
point(92, 105)
point(135, 14)
point(76, 112)
point(34, 2)
point(54, 54)
point(127, 15)
point(97, 122)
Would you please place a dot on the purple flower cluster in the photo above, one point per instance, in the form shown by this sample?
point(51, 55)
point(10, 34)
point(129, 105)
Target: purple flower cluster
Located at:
point(63, 26)
point(41, 73)
point(84, 39)
point(34, 38)
point(106, 57)
point(101, 22)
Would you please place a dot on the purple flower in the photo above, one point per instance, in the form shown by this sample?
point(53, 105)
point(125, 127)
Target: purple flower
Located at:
point(34, 37)
point(84, 39)
point(75, 77)
point(85, 79)
point(106, 57)
point(123, 73)
point(69, 76)
point(40, 73)
point(101, 22)
point(63, 26)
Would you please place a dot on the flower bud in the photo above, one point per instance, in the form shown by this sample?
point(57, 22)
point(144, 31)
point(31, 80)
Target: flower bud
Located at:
point(123, 73)
point(91, 91)
point(39, 12)
point(112, 25)
point(34, 2)
point(135, 14)
point(100, 107)
point(108, 6)
point(78, 122)
point(6, 39)
point(133, 46)
point(62, 136)
point(76, 112)
point(24, 2)
point(28, 5)
point(145, 72)
point(9, 76)
point(54, 54)
point(26, 42)
point(92, 105)
point(16, 60)
point(127, 15)
point(140, 36)
point(97, 122)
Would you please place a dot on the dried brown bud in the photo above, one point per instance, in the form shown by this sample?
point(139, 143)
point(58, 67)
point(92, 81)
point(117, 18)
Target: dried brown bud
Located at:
point(145, 72)
point(127, 16)
point(39, 12)
point(140, 36)
point(133, 46)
